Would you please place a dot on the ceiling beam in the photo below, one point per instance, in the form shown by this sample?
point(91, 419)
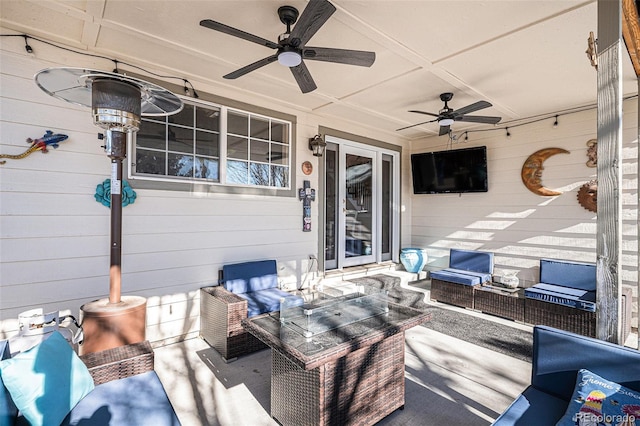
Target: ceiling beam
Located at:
point(631, 31)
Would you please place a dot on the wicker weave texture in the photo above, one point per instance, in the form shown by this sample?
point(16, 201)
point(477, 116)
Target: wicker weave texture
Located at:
point(120, 362)
point(539, 312)
point(360, 388)
point(452, 293)
point(221, 315)
point(505, 305)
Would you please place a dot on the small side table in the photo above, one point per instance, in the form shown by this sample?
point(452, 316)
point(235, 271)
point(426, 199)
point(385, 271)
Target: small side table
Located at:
point(500, 301)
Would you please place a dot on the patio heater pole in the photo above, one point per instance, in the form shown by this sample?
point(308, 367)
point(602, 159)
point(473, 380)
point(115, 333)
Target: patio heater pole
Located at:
point(118, 142)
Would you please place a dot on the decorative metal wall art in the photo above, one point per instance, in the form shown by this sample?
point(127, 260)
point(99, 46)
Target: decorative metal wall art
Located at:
point(103, 193)
point(588, 195)
point(49, 139)
point(532, 171)
point(592, 153)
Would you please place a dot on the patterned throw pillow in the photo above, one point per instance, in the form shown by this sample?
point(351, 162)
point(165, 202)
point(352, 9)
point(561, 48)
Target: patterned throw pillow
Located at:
point(598, 401)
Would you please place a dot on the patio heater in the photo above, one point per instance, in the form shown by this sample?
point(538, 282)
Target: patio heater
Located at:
point(117, 101)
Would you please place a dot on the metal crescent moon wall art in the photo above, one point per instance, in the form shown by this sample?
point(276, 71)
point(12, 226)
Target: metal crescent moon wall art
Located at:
point(532, 171)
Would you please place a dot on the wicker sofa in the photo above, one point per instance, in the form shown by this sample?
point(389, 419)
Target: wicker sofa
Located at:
point(558, 357)
point(247, 289)
point(467, 270)
point(125, 390)
point(565, 298)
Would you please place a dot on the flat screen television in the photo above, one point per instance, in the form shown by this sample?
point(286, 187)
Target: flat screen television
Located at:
point(452, 171)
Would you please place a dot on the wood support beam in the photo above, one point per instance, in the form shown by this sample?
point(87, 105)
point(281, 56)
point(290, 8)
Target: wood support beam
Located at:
point(609, 222)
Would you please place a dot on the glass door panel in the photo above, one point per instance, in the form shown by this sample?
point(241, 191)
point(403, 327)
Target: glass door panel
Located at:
point(358, 207)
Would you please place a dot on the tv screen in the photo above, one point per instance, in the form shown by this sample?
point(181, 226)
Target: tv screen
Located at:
point(456, 170)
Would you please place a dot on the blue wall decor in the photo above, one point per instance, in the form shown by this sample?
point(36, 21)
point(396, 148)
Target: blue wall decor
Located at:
point(103, 193)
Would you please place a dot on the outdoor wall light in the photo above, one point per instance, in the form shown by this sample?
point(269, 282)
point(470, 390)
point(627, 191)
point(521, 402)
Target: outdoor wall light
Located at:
point(317, 145)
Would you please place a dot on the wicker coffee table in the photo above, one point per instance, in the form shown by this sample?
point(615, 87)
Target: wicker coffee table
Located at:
point(349, 374)
point(501, 301)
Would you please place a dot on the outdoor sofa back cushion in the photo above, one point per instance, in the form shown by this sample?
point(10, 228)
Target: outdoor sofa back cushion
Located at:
point(471, 260)
point(250, 276)
point(567, 273)
point(558, 356)
point(46, 381)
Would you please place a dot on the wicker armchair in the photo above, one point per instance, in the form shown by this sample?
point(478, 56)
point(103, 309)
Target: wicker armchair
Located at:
point(221, 313)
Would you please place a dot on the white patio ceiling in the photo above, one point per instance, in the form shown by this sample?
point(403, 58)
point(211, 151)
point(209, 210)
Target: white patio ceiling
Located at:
point(525, 57)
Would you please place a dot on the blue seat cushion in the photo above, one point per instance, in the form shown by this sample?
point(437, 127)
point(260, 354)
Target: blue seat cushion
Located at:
point(572, 297)
point(458, 277)
point(471, 260)
point(264, 301)
point(568, 274)
point(533, 407)
point(250, 276)
point(134, 400)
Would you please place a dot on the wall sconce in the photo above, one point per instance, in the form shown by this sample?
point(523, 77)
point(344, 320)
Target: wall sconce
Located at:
point(317, 145)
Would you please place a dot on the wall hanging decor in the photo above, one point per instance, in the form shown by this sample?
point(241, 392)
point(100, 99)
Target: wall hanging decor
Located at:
point(103, 193)
point(592, 153)
point(532, 171)
point(588, 195)
point(49, 139)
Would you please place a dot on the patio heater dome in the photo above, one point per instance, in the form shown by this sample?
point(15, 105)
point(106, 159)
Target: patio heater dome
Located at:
point(117, 103)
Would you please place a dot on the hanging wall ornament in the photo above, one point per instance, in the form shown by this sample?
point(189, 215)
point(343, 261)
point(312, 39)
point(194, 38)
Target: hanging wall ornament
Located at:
point(592, 153)
point(103, 193)
point(532, 171)
point(49, 139)
point(588, 195)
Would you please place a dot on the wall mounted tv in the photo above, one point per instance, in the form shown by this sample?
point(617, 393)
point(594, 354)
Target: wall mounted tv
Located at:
point(452, 171)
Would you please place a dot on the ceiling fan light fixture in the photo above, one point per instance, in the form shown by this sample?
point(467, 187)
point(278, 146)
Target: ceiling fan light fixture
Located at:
point(445, 122)
point(289, 58)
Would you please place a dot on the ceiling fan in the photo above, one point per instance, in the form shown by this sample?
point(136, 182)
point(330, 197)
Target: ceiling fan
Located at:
point(291, 46)
point(447, 116)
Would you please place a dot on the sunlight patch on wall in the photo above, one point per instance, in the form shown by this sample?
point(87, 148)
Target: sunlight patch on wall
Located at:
point(512, 215)
point(552, 240)
point(466, 235)
point(581, 228)
point(491, 224)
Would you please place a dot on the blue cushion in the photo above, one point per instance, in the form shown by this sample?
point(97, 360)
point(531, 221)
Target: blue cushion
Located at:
point(264, 301)
point(456, 277)
point(46, 381)
point(483, 276)
point(568, 274)
point(558, 355)
point(250, 276)
point(574, 298)
point(471, 260)
point(597, 400)
point(134, 400)
point(533, 407)
point(8, 410)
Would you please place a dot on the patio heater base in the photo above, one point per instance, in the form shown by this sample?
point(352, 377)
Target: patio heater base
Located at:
point(110, 325)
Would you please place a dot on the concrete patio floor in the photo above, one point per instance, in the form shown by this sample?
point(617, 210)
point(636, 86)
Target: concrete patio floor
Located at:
point(448, 381)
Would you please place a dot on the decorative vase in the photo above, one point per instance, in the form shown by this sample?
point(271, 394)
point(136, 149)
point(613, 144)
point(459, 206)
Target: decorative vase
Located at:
point(510, 280)
point(413, 259)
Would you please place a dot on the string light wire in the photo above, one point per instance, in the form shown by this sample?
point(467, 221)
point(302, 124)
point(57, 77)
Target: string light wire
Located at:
point(116, 62)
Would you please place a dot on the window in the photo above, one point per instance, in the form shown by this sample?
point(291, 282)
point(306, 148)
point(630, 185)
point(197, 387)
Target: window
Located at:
point(193, 146)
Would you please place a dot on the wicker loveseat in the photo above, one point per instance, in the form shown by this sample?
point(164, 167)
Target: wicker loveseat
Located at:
point(125, 389)
point(248, 289)
point(565, 298)
point(467, 270)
